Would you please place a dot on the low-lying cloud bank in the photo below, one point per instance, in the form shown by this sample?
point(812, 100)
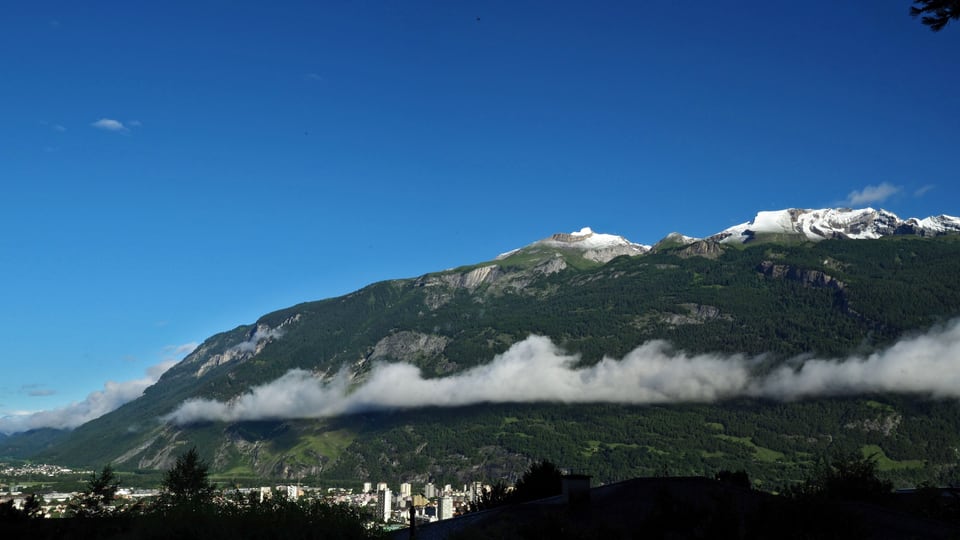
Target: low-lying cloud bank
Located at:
point(536, 370)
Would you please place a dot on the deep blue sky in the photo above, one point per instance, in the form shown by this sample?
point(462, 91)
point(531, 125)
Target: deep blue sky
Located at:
point(175, 169)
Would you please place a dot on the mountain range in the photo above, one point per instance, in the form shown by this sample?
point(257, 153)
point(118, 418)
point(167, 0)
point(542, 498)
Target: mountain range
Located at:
point(761, 348)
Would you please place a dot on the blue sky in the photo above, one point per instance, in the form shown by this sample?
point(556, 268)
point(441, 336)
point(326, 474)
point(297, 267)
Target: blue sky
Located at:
point(171, 170)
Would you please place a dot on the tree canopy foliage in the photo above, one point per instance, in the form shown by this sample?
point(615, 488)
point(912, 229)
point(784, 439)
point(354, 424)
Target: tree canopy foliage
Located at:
point(851, 477)
point(187, 484)
point(936, 13)
point(543, 479)
point(31, 509)
point(97, 498)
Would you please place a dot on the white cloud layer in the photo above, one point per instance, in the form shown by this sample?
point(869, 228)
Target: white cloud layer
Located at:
point(872, 194)
point(536, 370)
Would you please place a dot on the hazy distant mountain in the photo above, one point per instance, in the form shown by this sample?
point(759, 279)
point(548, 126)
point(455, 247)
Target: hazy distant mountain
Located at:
point(391, 380)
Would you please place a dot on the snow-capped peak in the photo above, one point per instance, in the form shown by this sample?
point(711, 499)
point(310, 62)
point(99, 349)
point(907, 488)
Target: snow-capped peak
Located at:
point(585, 238)
point(679, 238)
point(595, 246)
point(857, 224)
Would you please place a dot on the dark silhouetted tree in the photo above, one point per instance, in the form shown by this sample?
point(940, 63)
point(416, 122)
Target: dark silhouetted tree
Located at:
point(31, 509)
point(33, 506)
point(936, 13)
point(851, 478)
point(543, 479)
point(498, 495)
point(97, 499)
point(737, 478)
point(186, 483)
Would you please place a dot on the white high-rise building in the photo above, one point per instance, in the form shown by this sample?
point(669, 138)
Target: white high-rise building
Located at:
point(445, 508)
point(367, 487)
point(381, 486)
point(474, 491)
point(405, 490)
point(430, 490)
point(383, 505)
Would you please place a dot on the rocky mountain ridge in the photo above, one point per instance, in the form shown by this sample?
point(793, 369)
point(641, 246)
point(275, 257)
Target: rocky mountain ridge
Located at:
point(836, 223)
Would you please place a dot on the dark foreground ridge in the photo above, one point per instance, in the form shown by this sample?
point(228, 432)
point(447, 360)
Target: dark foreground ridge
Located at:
point(694, 507)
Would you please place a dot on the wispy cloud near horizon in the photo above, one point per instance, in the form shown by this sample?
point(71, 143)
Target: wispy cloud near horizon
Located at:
point(536, 370)
point(96, 404)
point(40, 392)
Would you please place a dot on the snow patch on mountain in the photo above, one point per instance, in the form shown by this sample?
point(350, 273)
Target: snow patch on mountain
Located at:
point(942, 224)
point(595, 246)
point(847, 223)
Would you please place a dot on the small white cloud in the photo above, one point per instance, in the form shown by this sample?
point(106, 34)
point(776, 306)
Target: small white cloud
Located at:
point(920, 192)
point(134, 123)
point(110, 124)
point(313, 77)
point(872, 194)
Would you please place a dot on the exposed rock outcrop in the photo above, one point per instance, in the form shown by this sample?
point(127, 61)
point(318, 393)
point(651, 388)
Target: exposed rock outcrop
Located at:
point(440, 288)
point(885, 425)
point(256, 340)
point(408, 347)
point(701, 248)
point(696, 314)
point(809, 278)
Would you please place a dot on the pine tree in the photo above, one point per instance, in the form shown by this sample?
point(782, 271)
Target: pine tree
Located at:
point(186, 484)
point(97, 499)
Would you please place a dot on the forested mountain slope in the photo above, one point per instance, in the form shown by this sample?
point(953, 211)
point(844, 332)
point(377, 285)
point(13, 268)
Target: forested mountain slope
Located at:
point(771, 300)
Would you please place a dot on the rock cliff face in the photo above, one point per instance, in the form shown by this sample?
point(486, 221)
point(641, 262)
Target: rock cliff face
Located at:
point(696, 314)
point(810, 278)
point(408, 347)
point(254, 342)
point(494, 279)
point(701, 248)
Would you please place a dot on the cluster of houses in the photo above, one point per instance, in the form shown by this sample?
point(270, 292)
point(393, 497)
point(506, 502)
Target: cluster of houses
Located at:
point(385, 505)
point(433, 503)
